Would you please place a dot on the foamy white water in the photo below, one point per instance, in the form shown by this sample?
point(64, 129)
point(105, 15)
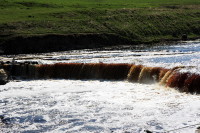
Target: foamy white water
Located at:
point(103, 106)
point(95, 106)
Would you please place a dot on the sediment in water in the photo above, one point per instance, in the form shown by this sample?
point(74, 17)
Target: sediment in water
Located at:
point(184, 82)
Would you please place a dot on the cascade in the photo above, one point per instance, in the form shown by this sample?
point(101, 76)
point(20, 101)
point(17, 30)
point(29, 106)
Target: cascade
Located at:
point(173, 78)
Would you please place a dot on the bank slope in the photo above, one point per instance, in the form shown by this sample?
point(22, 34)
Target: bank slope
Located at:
point(131, 22)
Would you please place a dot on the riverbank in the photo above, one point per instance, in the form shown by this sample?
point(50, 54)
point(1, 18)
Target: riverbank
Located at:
point(42, 26)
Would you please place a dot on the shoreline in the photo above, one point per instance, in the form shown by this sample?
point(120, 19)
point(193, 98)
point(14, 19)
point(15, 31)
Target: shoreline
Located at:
point(64, 42)
point(39, 27)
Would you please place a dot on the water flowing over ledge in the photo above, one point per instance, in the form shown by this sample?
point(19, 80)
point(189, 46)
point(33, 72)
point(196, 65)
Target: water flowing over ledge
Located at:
point(182, 81)
point(82, 91)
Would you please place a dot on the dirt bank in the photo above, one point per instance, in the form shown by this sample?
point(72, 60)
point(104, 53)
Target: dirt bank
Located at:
point(61, 42)
point(55, 42)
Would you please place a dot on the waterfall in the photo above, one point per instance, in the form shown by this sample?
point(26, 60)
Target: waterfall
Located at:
point(184, 82)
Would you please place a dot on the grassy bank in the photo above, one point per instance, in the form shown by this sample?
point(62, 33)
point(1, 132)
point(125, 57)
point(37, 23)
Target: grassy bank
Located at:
point(140, 21)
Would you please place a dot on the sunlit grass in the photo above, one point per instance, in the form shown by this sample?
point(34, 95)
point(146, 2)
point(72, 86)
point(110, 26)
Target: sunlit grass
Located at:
point(136, 20)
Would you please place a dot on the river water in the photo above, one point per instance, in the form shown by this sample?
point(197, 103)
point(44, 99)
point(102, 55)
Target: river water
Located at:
point(164, 55)
point(34, 106)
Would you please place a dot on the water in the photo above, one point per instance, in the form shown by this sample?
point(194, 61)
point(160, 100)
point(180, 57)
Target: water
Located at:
point(166, 55)
point(102, 106)
point(95, 106)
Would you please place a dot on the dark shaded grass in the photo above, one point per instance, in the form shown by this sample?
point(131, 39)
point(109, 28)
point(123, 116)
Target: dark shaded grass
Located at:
point(35, 4)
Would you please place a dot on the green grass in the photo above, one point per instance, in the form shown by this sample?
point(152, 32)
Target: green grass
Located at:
point(136, 20)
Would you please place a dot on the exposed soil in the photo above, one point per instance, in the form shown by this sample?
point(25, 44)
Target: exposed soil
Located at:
point(63, 42)
point(52, 43)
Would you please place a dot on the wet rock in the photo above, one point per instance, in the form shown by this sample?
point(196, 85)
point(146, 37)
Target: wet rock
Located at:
point(3, 77)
